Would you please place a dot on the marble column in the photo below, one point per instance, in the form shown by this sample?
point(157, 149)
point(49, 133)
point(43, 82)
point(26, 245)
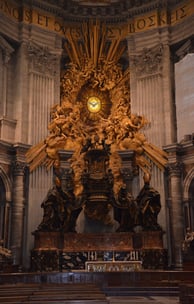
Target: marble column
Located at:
point(17, 212)
point(176, 213)
point(176, 228)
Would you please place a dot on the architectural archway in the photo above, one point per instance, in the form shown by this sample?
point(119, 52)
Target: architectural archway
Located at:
point(188, 198)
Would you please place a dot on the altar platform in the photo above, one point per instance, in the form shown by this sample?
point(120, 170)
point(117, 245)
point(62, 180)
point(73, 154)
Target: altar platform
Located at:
point(103, 279)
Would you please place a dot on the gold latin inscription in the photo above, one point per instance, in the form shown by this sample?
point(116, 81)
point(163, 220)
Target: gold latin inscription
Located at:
point(137, 24)
point(161, 18)
point(182, 12)
point(9, 9)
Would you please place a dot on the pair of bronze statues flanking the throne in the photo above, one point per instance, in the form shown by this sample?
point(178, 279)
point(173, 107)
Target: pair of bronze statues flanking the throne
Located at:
point(98, 214)
point(98, 209)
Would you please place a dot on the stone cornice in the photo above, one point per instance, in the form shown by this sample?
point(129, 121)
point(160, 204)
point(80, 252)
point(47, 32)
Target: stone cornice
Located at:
point(113, 10)
point(6, 146)
point(15, 146)
point(146, 7)
point(186, 48)
point(174, 147)
point(53, 7)
point(177, 150)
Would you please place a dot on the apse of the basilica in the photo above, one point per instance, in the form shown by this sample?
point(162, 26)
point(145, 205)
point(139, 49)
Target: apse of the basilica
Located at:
point(94, 121)
point(96, 134)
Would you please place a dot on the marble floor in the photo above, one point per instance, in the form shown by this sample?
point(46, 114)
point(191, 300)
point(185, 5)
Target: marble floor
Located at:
point(143, 300)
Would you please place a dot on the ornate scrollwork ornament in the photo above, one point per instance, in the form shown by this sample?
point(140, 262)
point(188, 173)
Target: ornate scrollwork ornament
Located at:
point(41, 59)
point(148, 62)
point(175, 168)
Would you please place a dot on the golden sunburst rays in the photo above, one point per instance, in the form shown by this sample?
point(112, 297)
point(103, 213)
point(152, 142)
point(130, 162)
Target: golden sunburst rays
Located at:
point(90, 42)
point(94, 59)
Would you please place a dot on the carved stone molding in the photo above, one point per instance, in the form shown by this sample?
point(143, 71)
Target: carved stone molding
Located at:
point(175, 169)
point(148, 62)
point(18, 168)
point(41, 59)
point(186, 48)
point(6, 50)
point(120, 9)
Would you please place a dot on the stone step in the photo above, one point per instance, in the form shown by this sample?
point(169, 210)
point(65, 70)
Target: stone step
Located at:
point(66, 296)
point(141, 291)
point(13, 299)
point(66, 302)
point(52, 294)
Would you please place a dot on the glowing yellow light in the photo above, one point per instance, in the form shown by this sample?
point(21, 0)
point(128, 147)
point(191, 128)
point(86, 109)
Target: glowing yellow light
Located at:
point(94, 104)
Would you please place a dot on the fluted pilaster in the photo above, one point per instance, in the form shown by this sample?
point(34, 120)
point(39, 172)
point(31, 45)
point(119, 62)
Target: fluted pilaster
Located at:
point(5, 54)
point(44, 87)
point(146, 68)
point(42, 70)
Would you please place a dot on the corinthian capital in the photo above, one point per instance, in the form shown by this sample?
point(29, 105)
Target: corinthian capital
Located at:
point(6, 50)
point(41, 59)
point(175, 169)
point(18, 168)
point(149, 61)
